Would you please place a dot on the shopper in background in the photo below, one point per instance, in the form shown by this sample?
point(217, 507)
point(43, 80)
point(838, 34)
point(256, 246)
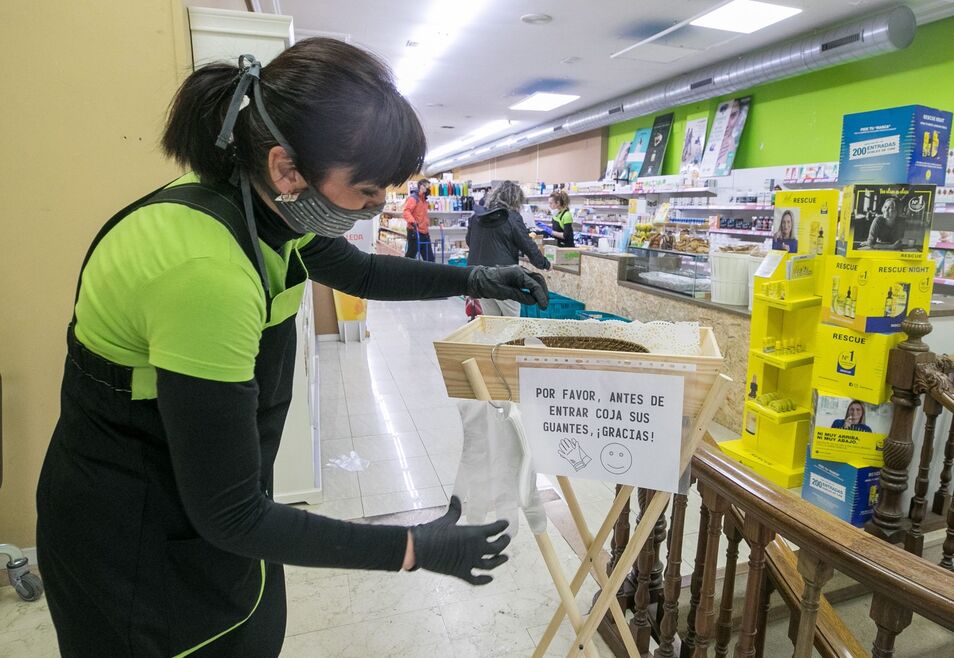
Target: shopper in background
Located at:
point(562, 228)
point(497, 235)
point(418, 223)
point(157, 532)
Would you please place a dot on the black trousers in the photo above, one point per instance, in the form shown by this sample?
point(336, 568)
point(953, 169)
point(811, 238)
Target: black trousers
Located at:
point(424, 245)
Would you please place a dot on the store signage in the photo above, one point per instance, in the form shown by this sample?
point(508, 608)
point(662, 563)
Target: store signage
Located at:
point(361, 235)
point(724, 138)
point(637, 152)
point(897, 145)
point(620, 427)
point(658, 140)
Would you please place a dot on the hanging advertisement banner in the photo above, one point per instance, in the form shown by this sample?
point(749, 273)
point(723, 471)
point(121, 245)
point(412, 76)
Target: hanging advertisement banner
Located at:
point(693, 145)
point(724, 139)
point(659, 139)
point(618, 169)
point(637, 152)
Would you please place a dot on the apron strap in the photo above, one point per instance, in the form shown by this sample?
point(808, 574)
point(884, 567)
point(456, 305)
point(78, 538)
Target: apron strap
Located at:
point(216, 202)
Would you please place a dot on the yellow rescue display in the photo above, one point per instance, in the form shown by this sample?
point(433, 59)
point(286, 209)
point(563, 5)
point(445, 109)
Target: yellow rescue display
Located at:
point(848, 429)
point(874, 296)
point(885, 221)
point(804, 221)
point(853, 364)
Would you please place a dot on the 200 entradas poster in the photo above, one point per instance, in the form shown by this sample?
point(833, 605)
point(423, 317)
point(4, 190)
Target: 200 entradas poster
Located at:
point(724, 139)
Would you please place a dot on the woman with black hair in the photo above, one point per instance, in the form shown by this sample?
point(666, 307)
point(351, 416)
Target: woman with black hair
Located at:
point(156, 529)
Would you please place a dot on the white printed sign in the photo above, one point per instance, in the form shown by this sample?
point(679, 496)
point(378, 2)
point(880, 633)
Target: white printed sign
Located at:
point(620, 427)
point(361, 235)
point(874, 148)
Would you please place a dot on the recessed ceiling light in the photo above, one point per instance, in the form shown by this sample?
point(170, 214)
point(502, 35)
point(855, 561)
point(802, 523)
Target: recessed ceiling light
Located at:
point(447, 127)
point(536, 19)
point(412, 44)
point(543, 101)
point(571, 60)
point(435, 105)
point(745, 16)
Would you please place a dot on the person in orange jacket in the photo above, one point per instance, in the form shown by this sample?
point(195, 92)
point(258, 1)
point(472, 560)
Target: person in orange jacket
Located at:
point(418, 223)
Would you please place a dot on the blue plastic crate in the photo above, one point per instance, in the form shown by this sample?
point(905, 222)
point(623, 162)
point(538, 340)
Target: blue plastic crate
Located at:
point(560, 308)
point(599, 315)
point(457, 262)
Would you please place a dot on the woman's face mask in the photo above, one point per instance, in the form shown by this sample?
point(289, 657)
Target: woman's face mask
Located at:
point(312, 212)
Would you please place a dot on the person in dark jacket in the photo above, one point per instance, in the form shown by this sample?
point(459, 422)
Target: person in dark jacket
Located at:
point(497, 235)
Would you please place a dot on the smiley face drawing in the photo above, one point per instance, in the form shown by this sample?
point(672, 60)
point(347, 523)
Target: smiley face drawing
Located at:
point(616, 458)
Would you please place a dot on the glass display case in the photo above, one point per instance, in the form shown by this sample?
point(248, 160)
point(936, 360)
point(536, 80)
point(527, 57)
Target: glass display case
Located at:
point(677, 271)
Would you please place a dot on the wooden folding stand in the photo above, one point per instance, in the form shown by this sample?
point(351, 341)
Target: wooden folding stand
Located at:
point(607, 601)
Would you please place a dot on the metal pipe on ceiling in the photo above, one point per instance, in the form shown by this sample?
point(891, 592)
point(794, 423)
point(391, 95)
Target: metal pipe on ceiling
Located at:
point(879, 33)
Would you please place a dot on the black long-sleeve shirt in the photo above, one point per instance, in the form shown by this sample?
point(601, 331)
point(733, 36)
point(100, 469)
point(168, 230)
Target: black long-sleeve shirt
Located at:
point(213, 436)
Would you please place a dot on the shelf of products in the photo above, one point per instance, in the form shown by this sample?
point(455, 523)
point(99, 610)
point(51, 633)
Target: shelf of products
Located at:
point(741, 231)
point(402, 233)
point(784, 361)
point(780, 417)
point(741, 206)
point(790, 304)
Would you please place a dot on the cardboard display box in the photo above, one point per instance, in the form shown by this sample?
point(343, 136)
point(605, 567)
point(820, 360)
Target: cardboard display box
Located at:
point(874, 296)
point(804, 221)
point(906, 144)
point(853, 364)
point(885, 221)
point(847, 490)
point(849, 429)
point(562, 255)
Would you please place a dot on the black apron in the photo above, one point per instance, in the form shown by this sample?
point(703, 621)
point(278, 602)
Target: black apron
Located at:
point(126, 574)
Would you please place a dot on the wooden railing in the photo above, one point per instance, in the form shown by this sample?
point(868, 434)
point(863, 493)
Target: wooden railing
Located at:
point(740, 506)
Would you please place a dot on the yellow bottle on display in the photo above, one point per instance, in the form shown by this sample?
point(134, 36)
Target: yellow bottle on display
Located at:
point(889, 305)
point(820, 245)
point(901, 298)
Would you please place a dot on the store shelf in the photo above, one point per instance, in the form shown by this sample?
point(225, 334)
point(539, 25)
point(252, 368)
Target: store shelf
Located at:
point(385, 248)
point(800, 413)
point(944, 282)
point(700, 224)
point(943, 245)
point(672, 251)
point(588, 207)
point(741, 231)
point(449, 213)
point(603, 223)
point(403, 233)
point(784, 361)
point(738, 206)
point(788, 304)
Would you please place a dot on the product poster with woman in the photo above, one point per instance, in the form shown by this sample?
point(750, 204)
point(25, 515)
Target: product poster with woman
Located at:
point(785, 230)
point(848, 428)
point(724, 139)
point(693, 144)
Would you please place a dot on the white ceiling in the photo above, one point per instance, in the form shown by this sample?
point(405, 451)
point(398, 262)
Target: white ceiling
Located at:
point(494, 60)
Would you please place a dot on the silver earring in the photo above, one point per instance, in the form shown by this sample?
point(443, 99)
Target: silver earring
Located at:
point(287, 197)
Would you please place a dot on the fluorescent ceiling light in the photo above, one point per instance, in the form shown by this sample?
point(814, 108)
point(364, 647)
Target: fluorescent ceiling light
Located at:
point(443, 21)
point(485, 130)
point(543, 101)
point(745, 16)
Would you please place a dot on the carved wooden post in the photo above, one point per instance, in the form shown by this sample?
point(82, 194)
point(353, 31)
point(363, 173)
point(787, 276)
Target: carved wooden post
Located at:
point(767, 588)
point(641, 628)
point(943, 490)
point(942, 495)
point(886, 521)
point(617, 546)
point(757, 536)
point(672, 581)
point(947, 561)
point(815, 573)
point(705, 616)
point(695, 585)
point(914, 540)
point(890, 619)
point(724, 626)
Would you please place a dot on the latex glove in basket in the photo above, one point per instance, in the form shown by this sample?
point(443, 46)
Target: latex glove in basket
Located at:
point(495, 473)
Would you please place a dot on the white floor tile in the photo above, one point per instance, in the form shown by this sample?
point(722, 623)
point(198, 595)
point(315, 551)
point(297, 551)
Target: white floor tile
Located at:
point(332, 407)
point(411, 474)
point(332, 448)
point(446, 463)
point(308, 612)
point(337, 483)
point(334, 427)
point(384, 447)
point(437, 417)
point(403, 501)
point(372, 387)
point(372, 403)
point(442, 440)
point(381, 421)
point(345, 509)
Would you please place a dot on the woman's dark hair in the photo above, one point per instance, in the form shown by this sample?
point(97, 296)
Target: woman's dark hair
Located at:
point(335, 104)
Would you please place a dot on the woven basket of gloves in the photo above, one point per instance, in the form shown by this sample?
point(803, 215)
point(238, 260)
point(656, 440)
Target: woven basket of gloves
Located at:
point(584, 343)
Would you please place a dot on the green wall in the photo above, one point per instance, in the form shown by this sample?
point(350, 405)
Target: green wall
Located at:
point(798, 120)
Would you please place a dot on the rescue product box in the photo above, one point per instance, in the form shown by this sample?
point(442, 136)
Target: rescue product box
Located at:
point(853, 364)
point(804, 221)
point(906, 144)
point(847, 428)
point(847, 490)
point(885, 221)
point(566, 256)
point(874, 296)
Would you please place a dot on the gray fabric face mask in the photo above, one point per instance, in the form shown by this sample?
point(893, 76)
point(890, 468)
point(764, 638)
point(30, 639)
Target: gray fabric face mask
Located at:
point(305, 212)
point(312, 212)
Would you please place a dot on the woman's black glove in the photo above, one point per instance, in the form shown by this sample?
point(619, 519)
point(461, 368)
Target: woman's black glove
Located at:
point(444, 547)
point(509, 282)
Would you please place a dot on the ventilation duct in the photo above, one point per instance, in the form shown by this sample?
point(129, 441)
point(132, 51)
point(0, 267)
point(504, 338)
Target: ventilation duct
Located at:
point(880, 33)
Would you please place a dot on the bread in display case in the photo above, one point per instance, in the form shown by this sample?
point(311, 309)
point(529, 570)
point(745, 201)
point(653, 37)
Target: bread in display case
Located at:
point(685, 273)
